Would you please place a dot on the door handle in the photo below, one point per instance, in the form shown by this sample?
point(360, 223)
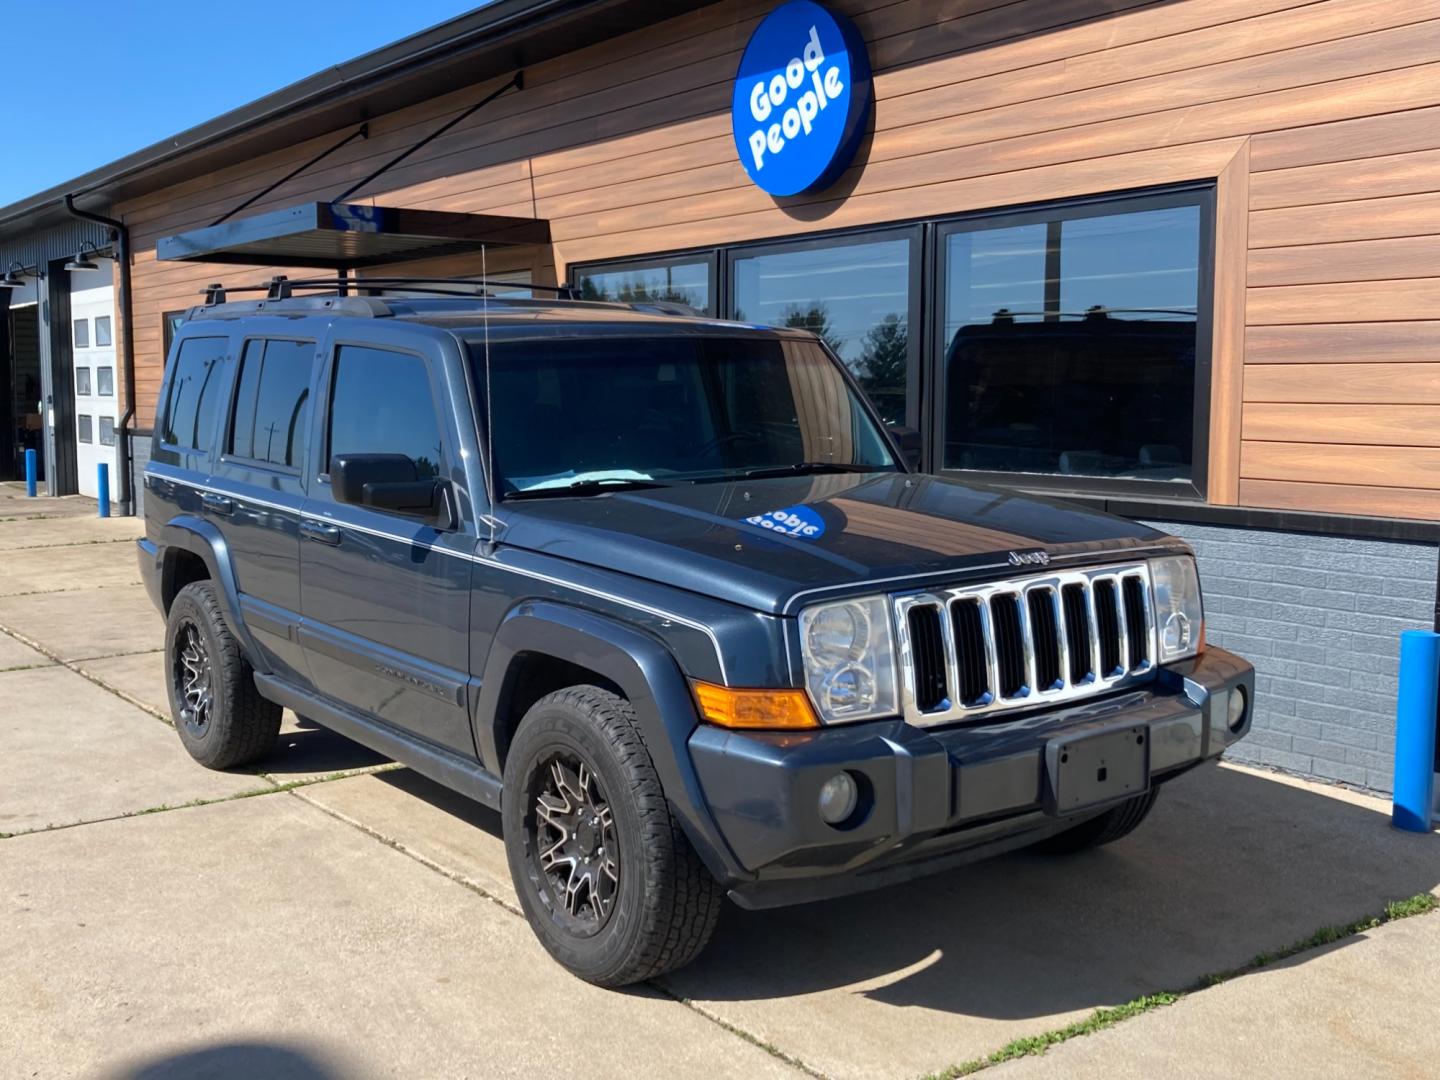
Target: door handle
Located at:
point(321, 534)
point(218, 504)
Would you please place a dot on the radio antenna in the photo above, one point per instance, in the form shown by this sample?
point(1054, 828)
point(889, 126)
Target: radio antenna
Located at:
point(489, 405)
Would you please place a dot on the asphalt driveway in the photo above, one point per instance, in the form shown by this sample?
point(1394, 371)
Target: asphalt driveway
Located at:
point(333, 915)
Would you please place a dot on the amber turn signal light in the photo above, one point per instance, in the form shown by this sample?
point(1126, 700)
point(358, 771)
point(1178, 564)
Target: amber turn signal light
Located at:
point(758, 710)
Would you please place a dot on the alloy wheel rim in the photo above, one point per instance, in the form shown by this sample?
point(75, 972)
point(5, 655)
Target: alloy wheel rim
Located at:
point(194, 680)
point(575, 854)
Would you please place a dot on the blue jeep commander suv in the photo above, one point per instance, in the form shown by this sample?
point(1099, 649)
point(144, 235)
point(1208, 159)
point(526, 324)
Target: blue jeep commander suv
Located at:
point(666, 593)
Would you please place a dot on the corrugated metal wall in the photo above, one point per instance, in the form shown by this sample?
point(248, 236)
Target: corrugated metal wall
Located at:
point(57, 242)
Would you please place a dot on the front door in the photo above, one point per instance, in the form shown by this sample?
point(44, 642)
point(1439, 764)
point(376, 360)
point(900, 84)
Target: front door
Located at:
point(92, 336)
point(385, 598)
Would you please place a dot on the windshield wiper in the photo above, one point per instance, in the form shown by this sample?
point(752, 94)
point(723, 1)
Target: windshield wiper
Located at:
point(806, 468)
point(587, 487)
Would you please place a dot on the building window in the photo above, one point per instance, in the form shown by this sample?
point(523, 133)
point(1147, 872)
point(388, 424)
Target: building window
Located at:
point(195, 389)
point(86, 429)
point(272, 402)
point(1075, 340)
point(687, 279)
point(82, 333)
point(82, 382)
point(107, 431)
point(105, 381)
point(381, 403)
point(854, 293)
point(102, 330)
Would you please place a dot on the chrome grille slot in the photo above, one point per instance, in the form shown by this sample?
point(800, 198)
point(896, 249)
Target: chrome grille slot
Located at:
point(1077, 632)
point(1045, 637)
point(1009, 644)
point(926, 641)
point(977, 649)
point(971, 647)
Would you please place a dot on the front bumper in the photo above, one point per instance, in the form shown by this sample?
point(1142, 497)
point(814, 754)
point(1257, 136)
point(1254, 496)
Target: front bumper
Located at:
point(937, 797)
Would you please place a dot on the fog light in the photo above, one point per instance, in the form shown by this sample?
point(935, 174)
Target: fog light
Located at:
point(1236, 708)
point(838, 797)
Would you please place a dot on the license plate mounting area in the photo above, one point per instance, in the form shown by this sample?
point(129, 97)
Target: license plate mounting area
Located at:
point(1090, 769)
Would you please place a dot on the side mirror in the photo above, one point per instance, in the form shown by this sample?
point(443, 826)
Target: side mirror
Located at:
point(908, 439)
point(389, 482)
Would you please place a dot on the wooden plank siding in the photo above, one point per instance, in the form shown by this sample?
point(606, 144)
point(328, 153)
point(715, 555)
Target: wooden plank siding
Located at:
point(1318, 121)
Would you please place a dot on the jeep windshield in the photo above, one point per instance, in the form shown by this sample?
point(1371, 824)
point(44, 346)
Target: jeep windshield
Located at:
point(582, 416)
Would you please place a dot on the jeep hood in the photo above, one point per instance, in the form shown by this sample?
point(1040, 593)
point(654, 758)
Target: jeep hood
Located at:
point(769, 544)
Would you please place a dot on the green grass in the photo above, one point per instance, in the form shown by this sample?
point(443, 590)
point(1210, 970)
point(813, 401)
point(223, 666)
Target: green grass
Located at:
point(1100, 1019)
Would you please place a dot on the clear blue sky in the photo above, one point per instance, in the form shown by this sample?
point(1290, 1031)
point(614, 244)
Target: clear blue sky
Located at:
point(89, 81)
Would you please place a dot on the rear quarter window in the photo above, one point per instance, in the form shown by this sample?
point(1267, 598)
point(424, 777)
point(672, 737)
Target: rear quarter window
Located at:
point(196, 386)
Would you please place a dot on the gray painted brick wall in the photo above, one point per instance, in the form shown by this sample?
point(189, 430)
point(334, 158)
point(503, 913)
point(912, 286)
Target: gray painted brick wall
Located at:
point(1320, 618)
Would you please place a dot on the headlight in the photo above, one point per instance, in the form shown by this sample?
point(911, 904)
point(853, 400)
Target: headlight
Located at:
point(849, 657)
point(1179, 613)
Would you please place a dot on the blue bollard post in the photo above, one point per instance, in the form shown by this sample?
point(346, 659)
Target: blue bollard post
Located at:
point(1415, 730)
point(30, 473)
point(102, 488)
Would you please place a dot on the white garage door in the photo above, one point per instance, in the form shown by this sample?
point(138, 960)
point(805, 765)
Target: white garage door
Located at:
point(92, 333)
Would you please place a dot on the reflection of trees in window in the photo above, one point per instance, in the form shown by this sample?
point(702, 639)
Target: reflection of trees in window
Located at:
point(633, 291)
point(884, 356)
point(816, 319)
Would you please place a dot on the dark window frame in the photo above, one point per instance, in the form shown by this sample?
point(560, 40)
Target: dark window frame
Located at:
point(84, 421)
point(1201, 195)
point(170, 323)
point(227, 455)
point(100, 437)
point(86, 391)
point(926, 336)
point(76, 325)
point(100, 390)
point(915, 310)
point(109, 334)
point(711, 257)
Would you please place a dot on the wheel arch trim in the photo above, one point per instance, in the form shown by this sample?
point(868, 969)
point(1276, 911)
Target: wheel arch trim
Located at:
point(202, 538)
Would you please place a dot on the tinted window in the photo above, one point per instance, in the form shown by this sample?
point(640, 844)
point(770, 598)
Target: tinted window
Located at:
point(680, 282)
point(381, 404)
point(1071, 344)
point(82, 333)
point(102, 330)
point(670, 409)
point(195, 389)
point(856, 297)
point(272, 402)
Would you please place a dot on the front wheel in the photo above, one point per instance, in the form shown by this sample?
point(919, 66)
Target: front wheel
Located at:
point(607, 879)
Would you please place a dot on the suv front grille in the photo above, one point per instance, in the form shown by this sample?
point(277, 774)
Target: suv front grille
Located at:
point(1025, 642)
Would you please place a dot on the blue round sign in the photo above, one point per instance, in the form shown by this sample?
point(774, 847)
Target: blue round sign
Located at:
point(802, 99)
point(800, 522)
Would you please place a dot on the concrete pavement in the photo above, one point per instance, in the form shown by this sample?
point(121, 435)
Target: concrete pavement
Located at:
point(363, 924)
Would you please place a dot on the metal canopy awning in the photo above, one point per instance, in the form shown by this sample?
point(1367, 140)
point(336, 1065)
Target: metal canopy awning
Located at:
point(342, 236)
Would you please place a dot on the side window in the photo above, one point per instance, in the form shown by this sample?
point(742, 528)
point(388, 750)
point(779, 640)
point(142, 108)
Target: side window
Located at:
point(82, 333)
point(195, 389)
point(380, 403)
point(272, 402)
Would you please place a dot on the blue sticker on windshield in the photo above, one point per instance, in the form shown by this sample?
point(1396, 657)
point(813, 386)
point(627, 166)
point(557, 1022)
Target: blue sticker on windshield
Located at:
point(797, 521)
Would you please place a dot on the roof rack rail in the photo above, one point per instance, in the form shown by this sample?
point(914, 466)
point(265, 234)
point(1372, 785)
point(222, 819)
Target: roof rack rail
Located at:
point(282, 287)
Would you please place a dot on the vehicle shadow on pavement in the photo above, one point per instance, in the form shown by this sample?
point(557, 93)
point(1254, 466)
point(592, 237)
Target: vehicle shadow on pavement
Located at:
point(1230, 864)
point(249, 1060)
point(306, 748)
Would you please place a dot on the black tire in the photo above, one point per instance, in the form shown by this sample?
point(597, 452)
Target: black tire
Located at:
point(1108, 827)
point(634, 915)
point(237, 726)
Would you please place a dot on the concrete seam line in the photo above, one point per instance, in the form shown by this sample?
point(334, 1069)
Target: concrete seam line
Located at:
point(71, 589)
point(479, 890)
point(739, 1032)
point(430, 864)
point(74, 666)
point(1101, 1019)
point(164, 808)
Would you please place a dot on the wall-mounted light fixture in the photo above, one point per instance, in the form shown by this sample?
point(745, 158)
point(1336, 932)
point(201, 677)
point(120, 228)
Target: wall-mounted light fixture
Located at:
point(16, 271)
point(80, 262)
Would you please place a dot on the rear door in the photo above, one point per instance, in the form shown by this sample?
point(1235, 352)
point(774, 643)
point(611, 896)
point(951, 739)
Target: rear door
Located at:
point(386, 597)
point(257, 490)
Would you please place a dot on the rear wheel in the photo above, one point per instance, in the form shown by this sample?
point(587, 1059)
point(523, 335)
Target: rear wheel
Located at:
point(607, 879)
point(222, 719)
point(1108, 827)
